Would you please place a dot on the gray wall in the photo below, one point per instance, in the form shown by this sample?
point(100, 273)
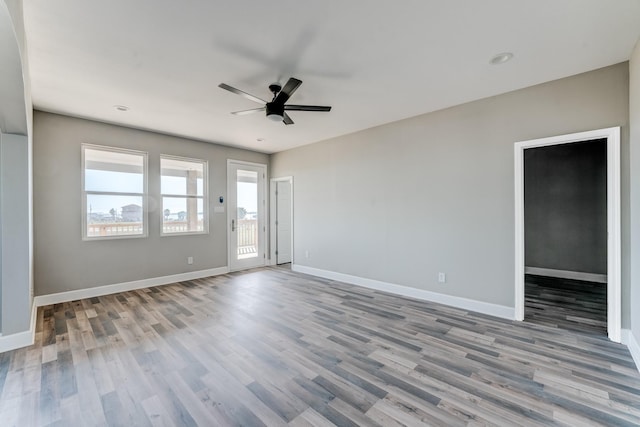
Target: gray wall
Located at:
point(15, 223)
point(565, 207)
point(63, 261)
point(401, 202)
point(1, 238)
point(16, 267)
point(634, 120)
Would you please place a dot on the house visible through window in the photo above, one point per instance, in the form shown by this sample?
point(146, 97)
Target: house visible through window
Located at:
point(114, 186)
point(183, 187)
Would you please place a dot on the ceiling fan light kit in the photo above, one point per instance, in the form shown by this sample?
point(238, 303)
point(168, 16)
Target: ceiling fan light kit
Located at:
point(275, 117)
point(275, 110)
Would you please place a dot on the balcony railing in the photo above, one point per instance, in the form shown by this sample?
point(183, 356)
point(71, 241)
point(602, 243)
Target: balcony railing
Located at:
point(107, 229)
point(180, 227)
point(247, 233)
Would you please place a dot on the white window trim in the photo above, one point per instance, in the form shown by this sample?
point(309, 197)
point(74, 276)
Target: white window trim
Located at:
point(204, 197)
point(83, 207)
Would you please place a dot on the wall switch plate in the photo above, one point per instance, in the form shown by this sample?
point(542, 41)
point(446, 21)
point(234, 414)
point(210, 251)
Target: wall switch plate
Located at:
point(306, 254)
point(190, 260)
point(442, 278)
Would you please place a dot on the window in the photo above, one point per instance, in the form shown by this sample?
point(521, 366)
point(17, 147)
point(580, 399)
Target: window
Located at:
point(114, 186)
point(184, 195)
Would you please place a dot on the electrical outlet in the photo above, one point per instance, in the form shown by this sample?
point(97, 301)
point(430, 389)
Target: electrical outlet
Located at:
point(442, 278)
point(190, 260)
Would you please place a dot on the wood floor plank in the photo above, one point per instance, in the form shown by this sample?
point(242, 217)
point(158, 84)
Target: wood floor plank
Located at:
point(89, 394)
point(273, 347)
point(311, 418)
point(156, 412)
point(569, 304)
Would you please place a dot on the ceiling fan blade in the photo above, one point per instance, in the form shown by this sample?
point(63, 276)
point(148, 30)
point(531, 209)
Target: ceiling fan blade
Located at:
point(241, 93)
point(286, 119)
point(245, 112)
point(307, 108)
point(288, 90)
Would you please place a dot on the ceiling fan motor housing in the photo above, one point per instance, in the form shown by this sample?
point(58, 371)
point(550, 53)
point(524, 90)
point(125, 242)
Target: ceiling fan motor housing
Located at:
point(276, 110)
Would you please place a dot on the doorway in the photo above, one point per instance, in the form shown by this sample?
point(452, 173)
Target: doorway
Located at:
point(246, 214)
point(613, 249)
point(565, 228)
point(281, 220)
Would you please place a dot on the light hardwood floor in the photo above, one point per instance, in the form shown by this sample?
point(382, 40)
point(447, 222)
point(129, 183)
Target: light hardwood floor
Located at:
point(272, 347)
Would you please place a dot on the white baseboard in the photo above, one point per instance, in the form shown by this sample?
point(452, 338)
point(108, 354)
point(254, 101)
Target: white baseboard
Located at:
point(20, 339)
point(629, 340)
point(458, 302)
point(126, 286)
point(26, 338)
point(566, 274)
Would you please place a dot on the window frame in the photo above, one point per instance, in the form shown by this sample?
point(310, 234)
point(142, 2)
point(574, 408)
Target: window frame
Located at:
point(204, 197)
point(144, 194)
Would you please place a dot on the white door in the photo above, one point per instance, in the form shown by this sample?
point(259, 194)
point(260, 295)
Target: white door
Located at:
point(246, 214)
point(283, 222)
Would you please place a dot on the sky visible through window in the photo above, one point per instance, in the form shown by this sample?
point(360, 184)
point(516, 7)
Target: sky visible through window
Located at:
point(247, 197)
point(101, 180)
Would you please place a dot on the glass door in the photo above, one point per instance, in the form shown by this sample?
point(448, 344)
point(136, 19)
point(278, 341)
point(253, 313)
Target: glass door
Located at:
point(246, 214)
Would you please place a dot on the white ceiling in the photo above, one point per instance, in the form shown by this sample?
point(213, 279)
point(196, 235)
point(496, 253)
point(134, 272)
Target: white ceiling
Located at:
point(374, 62)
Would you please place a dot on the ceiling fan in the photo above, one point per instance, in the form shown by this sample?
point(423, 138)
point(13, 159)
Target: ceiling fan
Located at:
point(276, 110)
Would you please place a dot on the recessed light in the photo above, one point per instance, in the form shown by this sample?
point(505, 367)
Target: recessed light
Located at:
point(501, 58)
point(121, 107)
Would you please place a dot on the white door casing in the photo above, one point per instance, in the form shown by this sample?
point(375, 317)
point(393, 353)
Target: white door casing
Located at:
point(614, 279)
point(281, 231)
point(283, 224)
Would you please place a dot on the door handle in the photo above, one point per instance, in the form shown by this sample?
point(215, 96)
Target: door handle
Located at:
point(233, 225)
